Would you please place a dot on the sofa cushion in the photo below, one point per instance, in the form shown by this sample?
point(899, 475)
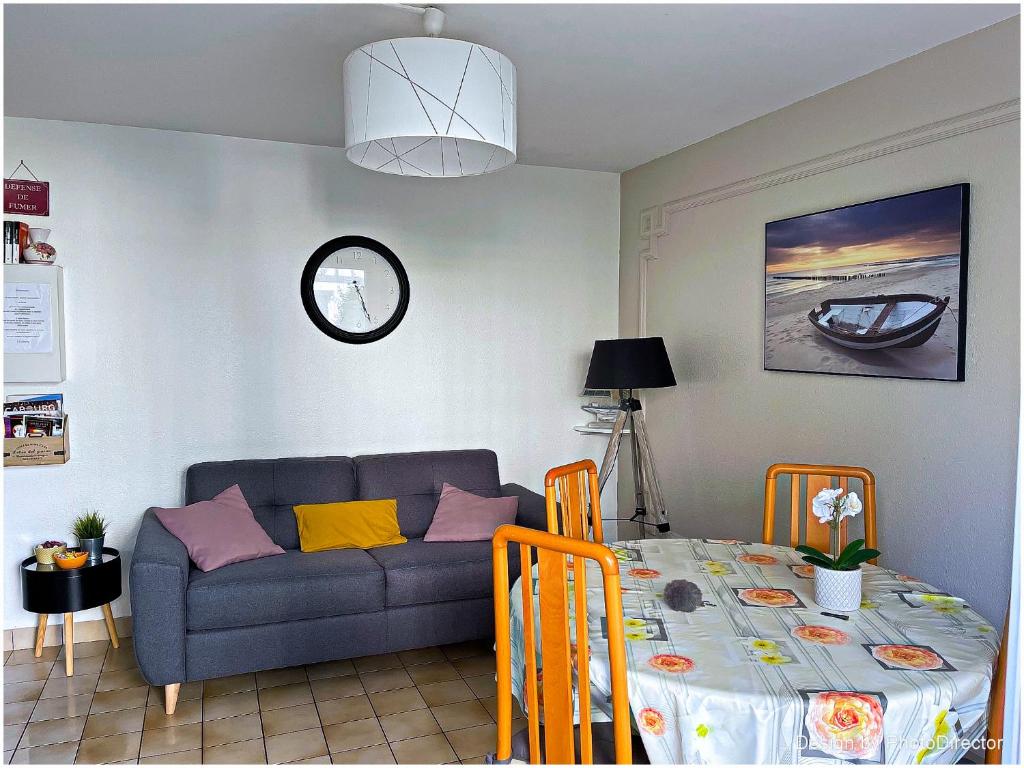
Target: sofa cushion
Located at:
point(464, 516)
point(288, 587)
point(220, 531)
point(432, 572)
point(348, 525)
point(415, 480)
point(273, 486)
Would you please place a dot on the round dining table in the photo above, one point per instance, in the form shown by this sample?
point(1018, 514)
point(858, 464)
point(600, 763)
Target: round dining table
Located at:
point(759, 673)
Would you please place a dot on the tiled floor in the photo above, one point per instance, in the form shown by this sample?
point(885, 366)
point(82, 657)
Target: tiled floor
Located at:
point(434, 705)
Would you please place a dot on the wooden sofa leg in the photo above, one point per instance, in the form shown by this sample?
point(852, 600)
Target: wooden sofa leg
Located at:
point(171, 697)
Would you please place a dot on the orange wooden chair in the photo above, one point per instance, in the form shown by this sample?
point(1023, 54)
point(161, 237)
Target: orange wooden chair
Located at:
point(566, 490)
point(556, 646)
point(997, 702)
point(818, 476)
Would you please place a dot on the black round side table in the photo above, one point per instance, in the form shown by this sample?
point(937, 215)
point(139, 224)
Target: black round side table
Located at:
point(46, 589)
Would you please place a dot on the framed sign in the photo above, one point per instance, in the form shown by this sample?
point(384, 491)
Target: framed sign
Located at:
point(28, 197)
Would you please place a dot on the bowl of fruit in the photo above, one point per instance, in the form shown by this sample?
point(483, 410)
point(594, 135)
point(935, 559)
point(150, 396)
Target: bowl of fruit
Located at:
point(69, 560)
point(46, 551)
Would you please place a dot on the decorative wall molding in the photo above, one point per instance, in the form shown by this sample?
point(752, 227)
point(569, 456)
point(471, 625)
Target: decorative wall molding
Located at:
point(655, 221)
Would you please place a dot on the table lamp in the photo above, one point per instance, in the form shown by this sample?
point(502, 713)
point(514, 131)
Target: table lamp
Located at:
point(627, 365)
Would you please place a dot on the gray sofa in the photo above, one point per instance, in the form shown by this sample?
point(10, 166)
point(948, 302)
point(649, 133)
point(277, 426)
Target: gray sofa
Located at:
point(302, 608)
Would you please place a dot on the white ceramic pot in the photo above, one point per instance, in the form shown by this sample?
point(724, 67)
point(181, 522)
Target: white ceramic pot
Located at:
point(38, 250)
point(837, 590)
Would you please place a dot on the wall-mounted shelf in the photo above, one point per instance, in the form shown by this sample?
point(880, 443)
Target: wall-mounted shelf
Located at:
point(583, 429)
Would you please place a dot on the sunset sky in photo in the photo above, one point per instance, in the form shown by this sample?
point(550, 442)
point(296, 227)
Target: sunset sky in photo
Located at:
point(910, 227)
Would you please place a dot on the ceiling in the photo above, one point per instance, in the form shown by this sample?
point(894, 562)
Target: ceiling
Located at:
point(601, 87)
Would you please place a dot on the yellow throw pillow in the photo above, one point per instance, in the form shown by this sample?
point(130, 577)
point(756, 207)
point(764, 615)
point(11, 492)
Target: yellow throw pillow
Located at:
point(348, 525)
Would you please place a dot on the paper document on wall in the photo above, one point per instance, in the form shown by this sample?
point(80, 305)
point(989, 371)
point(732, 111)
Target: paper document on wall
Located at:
point(28, 328)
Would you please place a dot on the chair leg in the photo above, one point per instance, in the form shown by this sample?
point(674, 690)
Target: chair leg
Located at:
point(111, 629)
point(171, 697)
point(41, 634)
point(69, 644)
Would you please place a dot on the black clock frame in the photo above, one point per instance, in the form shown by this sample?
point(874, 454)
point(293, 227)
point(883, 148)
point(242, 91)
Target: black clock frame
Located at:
point(309, 300)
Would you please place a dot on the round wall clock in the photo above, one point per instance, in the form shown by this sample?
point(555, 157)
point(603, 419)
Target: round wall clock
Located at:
point(355, 289)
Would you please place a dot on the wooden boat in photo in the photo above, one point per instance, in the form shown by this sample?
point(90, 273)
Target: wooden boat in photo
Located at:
point(879, 322)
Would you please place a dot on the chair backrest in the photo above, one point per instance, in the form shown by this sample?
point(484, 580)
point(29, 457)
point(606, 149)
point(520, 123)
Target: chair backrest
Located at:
point(997, 702)
point(818, 476)
point(569, 489)
point(556, 645)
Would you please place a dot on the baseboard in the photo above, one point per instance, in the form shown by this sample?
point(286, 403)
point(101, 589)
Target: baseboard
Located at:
point(85, 631)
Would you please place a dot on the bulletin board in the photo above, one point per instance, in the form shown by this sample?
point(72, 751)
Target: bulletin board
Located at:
point(33, 323)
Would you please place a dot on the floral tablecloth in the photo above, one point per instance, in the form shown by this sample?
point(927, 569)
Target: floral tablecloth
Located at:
point(760, 674)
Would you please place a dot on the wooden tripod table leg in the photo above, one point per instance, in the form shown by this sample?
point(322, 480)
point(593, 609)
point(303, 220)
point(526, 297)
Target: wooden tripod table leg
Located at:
point(69, 644)
point(111, 629)
point(171, 697)
point(41, 634)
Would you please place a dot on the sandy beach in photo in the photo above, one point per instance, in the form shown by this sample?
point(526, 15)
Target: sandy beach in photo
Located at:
point(791, 343)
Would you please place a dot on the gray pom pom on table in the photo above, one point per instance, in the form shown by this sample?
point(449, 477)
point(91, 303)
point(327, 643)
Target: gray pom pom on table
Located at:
point(683, 595)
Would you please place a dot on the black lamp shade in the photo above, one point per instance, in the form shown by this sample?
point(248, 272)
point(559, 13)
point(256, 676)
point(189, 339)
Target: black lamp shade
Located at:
point(630, 364)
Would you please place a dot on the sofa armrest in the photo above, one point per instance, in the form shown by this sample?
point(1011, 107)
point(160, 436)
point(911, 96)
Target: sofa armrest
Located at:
point(532, 510)
point(158, 581)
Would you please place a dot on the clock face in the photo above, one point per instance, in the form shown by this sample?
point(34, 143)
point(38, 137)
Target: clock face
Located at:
point(355, 289)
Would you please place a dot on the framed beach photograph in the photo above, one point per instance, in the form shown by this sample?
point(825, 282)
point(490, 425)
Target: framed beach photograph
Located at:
point(872, 289)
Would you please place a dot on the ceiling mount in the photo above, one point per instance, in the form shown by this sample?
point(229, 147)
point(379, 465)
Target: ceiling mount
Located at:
point(433, 21)
point(429, 106)
point(433, 18)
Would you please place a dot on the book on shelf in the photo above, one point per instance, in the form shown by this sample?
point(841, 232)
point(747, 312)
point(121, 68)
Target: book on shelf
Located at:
point(10, 241)
point(15, 241)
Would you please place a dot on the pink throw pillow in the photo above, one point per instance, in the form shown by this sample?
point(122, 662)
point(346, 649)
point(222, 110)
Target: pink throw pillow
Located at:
point(464, 516)
point(220, 531)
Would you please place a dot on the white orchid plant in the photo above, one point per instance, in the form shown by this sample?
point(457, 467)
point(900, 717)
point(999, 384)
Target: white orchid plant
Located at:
point(831, 506)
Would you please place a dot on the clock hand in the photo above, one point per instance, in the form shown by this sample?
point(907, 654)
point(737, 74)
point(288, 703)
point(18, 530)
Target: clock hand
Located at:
point(361, 300)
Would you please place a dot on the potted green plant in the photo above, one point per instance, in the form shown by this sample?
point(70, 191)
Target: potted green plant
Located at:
point(90, 529)
point(837, 575)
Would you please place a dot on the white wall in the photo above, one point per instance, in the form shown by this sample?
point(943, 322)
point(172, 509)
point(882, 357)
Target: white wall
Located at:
point(187, 340)
point(943, 453)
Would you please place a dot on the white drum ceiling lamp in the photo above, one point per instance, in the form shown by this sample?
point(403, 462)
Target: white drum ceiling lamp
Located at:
point(430, 106)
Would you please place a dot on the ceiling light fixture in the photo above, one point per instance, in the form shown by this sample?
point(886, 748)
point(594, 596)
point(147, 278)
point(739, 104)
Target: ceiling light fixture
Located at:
point(430, 106)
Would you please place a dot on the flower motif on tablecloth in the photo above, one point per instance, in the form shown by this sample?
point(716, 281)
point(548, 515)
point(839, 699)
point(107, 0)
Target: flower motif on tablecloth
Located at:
point(731, 542)
point(758, 559)
point(759, 597)
point(942, 603)
point(916, 657)
point(866, 604)
point(643, 573)
point(703, 730)
point(715, 568)
point(670, 662)
point(626, 554)
point(844, 724)
point(774, 659)
point(943, 732)
point(813, 633)
point(907, 579)
point(574, 654)
point(652, 721)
